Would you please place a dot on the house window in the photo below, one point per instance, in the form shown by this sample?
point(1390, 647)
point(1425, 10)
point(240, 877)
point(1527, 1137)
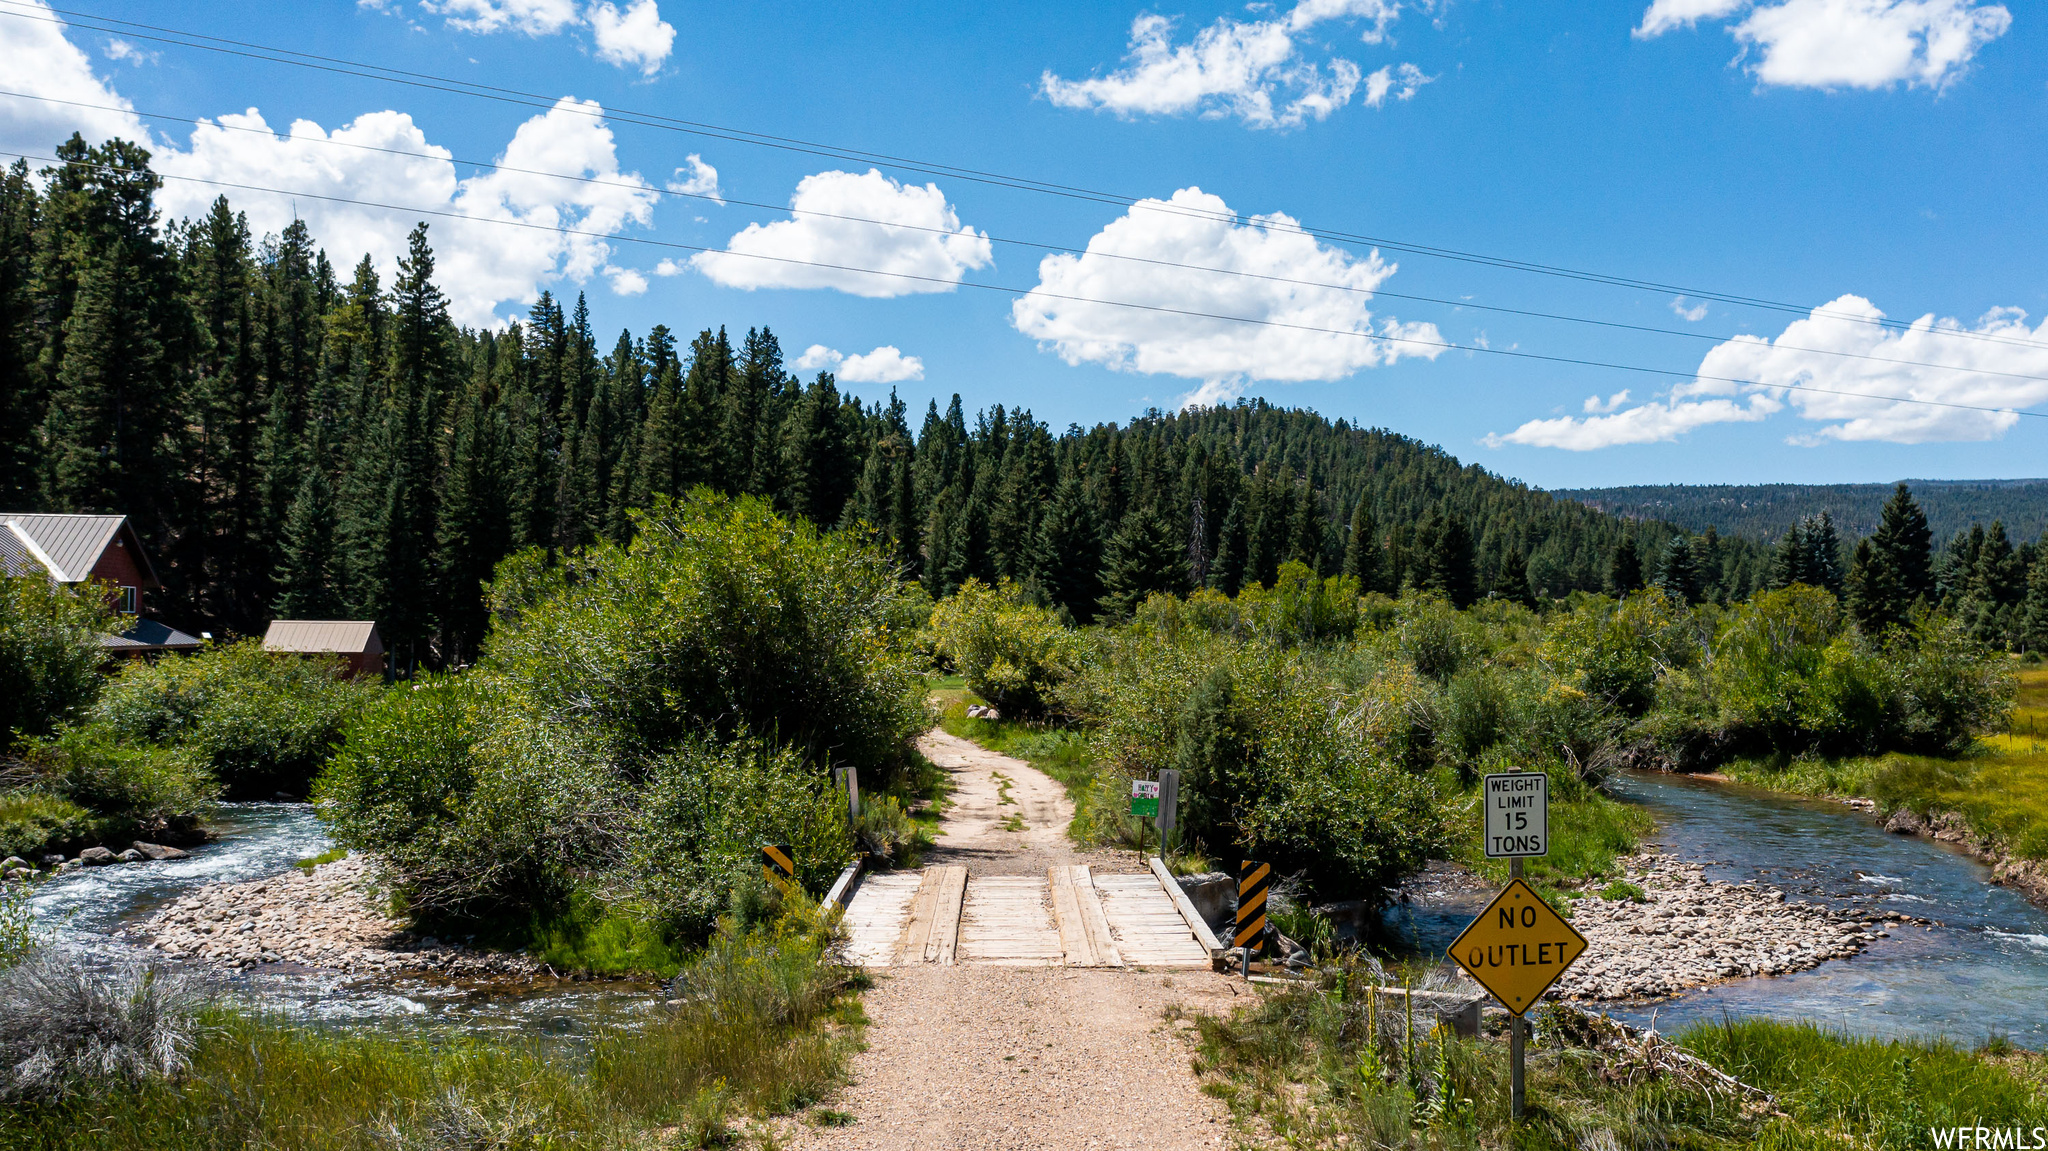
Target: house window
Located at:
point(124, 600)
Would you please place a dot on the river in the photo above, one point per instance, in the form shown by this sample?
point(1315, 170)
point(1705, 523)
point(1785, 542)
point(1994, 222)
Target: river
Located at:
point(1982, 971)
point(84, 910)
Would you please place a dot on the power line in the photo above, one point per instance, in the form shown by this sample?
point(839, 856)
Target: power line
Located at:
point(1005, 289)
point(431, 81)
point(643, 187)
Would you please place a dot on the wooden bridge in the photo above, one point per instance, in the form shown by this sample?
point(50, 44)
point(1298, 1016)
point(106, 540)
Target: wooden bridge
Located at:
point(1070, 917)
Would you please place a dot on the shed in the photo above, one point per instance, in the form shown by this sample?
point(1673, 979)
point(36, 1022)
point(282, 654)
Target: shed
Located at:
point(357, 641)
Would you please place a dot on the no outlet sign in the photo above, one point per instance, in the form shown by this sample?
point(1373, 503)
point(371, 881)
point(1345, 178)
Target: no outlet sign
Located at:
point(1517, 814)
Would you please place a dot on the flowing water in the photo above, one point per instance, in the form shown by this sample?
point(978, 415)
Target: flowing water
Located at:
point(1982, 970)
point(85, 910)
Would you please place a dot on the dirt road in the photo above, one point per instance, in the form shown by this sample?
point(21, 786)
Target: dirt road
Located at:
point(1022, 1058)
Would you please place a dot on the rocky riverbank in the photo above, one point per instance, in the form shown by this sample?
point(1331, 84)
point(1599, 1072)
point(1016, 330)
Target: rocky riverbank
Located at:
point(1689, 930)
point(2029, 877)
point(331, 918)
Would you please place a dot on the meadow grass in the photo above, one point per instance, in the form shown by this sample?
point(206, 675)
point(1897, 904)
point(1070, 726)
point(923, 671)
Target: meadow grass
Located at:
point(1316, 1069)
point(2000, 789)
point(762, 1027)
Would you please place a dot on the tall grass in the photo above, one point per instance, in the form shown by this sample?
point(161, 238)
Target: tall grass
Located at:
point(761, 1025)
point(1320, 1068)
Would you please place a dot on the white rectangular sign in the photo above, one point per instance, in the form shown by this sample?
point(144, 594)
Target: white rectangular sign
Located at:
point(1517, 814)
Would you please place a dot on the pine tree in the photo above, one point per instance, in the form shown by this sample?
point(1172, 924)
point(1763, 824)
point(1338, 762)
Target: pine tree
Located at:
point(1361, 550)
point(2033, 611)
point(1067, 550)
point(1679, 575)
point(1872, 592)
point(306, 578)
point(21, 385)
point(1792, 563)
point(1227, 570)
point(1624, 568)
point(1143, 556)
point(1824, 548)
point(1905, 545)
point(1511, 579)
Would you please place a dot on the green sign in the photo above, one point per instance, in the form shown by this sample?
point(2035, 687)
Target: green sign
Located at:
point(1145, 798)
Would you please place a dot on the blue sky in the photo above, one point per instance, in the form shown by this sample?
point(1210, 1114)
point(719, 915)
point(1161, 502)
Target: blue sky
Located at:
point(1860, 156)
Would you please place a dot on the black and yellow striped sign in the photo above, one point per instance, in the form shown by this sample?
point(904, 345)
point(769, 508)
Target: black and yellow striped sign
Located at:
point(1253, 878)
point(778, 863)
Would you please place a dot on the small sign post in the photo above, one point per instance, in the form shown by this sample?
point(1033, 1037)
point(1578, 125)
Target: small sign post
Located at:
point(853, 793)
point(778, 865)
point(1169, 804)
point(1518, 946)
point(1144, 805)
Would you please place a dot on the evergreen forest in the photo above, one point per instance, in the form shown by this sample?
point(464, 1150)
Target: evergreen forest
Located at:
point(296, 441)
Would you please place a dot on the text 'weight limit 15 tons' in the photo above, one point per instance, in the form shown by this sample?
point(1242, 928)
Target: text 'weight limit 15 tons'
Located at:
point(1517, 814)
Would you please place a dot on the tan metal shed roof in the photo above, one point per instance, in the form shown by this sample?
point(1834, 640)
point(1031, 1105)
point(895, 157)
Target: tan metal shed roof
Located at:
point(342, 636)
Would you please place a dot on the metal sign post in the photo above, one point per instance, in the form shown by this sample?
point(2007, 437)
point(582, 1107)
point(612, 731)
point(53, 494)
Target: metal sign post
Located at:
point(1144, 805)
point(1169, 805)
point(1518, 946)
point(853, 793)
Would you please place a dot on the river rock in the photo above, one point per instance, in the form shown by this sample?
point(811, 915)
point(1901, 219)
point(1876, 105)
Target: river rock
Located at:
point(95, 856)
point(52, 860)
point(1690, 930)
point(331, 917)
point(14, 861)
point(132, 856)
point(1214, 894)
point(159, 852)
point(1905, 821)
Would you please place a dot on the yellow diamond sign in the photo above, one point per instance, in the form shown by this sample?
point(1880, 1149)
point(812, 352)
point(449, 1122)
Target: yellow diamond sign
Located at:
point(1518, 947)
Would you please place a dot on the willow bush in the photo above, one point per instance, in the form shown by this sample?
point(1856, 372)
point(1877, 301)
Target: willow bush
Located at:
point(641, 719)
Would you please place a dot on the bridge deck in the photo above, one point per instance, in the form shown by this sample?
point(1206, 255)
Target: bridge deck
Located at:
point(1070, 917)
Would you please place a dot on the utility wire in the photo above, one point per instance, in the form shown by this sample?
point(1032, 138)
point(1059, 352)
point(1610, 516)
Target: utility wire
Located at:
point(1039, 292)
point(430, 81)
point(639, 186)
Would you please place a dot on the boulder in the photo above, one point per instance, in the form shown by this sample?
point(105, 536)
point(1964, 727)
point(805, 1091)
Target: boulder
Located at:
point(159, 851)
point(16, 873)
point(1349, 919)
point(1905, 821)
point(52, 860)
point(132, 856)
point(14, 861)
point(1214, 894)
point(95, 856)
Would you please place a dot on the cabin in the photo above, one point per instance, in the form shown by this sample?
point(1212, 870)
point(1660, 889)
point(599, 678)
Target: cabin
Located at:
point(75, 549)
point(356, 641)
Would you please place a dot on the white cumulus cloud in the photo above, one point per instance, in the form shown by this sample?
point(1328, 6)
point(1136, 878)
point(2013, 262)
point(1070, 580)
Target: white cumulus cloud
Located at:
point(42, 62)
point(1834, 44)
point(531, 17)
point(1251, 69)
point(1691, 315)
point(627, 281)
point(885, 365)
point(634, 38)
point(1288, 279)
point(862, 235)
point(1869, 393)
point(696, 179)
point(479, 263)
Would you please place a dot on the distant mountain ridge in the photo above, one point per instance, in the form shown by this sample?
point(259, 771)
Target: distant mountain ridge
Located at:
point(1763, 511)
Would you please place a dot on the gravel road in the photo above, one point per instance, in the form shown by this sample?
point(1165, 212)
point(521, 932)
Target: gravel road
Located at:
point(1021, 1058)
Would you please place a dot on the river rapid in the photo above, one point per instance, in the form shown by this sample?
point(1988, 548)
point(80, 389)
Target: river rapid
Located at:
point(85, 910)
point(1981, 971)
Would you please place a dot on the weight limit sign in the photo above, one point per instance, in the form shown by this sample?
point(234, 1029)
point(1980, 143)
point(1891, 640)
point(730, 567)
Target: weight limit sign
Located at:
point(1517, 814)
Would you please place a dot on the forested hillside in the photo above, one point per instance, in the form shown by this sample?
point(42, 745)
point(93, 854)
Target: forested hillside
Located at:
point(293, 440)
point(1764, 511)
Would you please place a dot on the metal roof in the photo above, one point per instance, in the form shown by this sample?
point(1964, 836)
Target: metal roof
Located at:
point(67, 546)
point(148, 634)
point(343, 636)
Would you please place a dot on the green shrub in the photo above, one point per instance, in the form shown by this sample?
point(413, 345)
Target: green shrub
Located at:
point(130, 788)
point(50, 653)
point(1613, 650)
point(33, 823)
point(259, 721)
point(1012, 653)
point(640, 725)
